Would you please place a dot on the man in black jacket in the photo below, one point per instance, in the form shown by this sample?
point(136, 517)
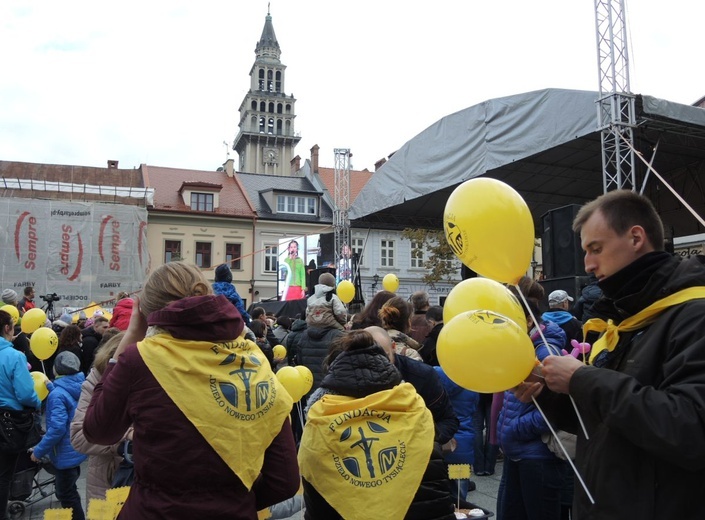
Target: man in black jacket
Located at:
point(643, 398)
point(90, 340)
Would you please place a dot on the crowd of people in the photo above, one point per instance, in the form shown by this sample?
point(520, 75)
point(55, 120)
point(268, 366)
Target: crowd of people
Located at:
point(382, 421)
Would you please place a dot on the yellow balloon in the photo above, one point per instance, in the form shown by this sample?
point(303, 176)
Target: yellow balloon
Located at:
point(483, 293)
point(346, 291)
point(40, 384)
point(33, 319)
point(490, 229)
point(12, 311)
point(485, 352)
point(291, 380)
point(279, 352)
point(307, 376)
point(390, 282)
point(43, 342)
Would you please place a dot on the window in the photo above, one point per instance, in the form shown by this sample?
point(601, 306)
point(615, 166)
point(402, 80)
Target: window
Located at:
point(270, 259)
point(203, 254)
point(357, 247)
point(297, 205)
point(386, 253)
point(172, 250)
point(417, 255)
point(233, 252)
point(202, 201)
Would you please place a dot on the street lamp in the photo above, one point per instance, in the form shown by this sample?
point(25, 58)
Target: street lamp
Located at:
point(376, 279)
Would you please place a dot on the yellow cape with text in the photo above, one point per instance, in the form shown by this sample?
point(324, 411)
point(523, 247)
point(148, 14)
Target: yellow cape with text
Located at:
point(220, 387)
point(366, 457)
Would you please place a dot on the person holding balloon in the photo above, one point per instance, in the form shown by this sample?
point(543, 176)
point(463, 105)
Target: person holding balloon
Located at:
point(16, 393)
point(532, 478)
point(212, 437)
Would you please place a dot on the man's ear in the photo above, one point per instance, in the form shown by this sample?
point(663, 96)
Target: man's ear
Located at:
point(639, 239)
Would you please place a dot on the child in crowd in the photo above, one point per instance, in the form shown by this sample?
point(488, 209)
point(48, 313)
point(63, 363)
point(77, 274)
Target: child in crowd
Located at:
point(324, 309)
point(61, 406)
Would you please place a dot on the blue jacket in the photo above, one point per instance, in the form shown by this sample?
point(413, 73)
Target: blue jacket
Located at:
point(61, 406)
point(520, 425)
point(16, 385)
point(228, 290)
point(464, 404)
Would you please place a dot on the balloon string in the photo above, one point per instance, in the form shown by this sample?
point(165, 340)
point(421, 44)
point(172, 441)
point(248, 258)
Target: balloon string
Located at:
point(301, 414)
point(44, 370)
point(550, 353)
point(572, 465)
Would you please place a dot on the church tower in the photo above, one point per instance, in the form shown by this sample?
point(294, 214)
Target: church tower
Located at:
point(266, 140)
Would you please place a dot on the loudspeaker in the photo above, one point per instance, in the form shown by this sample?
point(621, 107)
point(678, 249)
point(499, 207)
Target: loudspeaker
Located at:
point(560, 246)
point(326, 253)
point(312, 278)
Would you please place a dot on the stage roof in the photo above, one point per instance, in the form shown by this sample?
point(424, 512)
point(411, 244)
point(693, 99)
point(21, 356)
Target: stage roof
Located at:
point(546, 145)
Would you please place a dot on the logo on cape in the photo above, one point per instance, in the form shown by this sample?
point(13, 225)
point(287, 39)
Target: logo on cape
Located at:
point(245, 395)
point(370, 455)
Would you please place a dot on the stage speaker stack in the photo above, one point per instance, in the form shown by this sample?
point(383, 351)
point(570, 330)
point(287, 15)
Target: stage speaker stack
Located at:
point(560, 246)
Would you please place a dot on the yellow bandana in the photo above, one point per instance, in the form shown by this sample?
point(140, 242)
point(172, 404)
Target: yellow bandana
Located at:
point(641, 319)
point(368, 455)
point(228, 392)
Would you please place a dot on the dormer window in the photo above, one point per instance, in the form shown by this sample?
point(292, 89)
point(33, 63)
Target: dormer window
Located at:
point(300, 205)
point(201, 201)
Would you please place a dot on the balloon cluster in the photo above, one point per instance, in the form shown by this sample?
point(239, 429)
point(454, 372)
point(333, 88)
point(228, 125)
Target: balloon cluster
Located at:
point(484, 345)
point(296, 380)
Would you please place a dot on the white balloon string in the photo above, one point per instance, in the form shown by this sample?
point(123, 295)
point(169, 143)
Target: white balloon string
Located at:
point(550, 353)
point(572, 464)
point(301, 413)
point(44, 370)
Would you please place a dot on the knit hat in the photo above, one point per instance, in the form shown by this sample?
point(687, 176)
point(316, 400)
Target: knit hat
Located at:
point(82, 315)
point(327, 279)
point(9, 296)
point(67, 364)
point(64, 320)
point(223, 274)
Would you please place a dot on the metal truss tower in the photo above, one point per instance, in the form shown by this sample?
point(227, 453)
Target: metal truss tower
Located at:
point(341, 221)
point(616, 104)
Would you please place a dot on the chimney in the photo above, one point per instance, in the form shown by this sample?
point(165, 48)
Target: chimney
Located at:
point(112, 164)
point(380, 163)
point(229, 167)
point(296, 164)
point(314, 158)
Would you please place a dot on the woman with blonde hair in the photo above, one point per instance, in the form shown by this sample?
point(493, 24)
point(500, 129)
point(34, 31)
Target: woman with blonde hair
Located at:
point(396, 320)
point(102, 460)
point(211, 434)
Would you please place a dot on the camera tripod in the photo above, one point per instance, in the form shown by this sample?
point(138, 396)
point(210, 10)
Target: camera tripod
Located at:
point(48, 308)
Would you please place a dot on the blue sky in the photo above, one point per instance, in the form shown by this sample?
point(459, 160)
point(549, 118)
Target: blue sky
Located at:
point(160, 82)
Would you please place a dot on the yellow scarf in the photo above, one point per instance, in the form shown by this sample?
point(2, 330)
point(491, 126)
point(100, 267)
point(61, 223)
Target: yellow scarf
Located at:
point(368, 454)
point(641, 319)
point(228, 392)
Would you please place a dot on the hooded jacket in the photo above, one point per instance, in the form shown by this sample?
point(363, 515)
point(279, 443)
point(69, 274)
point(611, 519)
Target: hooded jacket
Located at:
point(521, 425)
point(223, 285)
point(324, 309)
point(359, 373)
point(572, 327)
point(61, 406)
point(178, 475)
point(122, 313)
point(16, 385)
point(644, 408)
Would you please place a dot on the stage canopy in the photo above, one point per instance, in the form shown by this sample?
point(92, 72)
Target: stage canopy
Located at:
point(546, 145)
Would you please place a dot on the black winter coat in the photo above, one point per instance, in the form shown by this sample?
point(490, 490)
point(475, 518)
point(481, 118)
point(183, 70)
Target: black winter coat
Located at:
point(359, 373)
point(312, 345)
point(644, 409)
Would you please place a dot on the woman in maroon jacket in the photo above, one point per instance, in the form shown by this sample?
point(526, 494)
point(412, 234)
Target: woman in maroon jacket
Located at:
point(212, 437)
